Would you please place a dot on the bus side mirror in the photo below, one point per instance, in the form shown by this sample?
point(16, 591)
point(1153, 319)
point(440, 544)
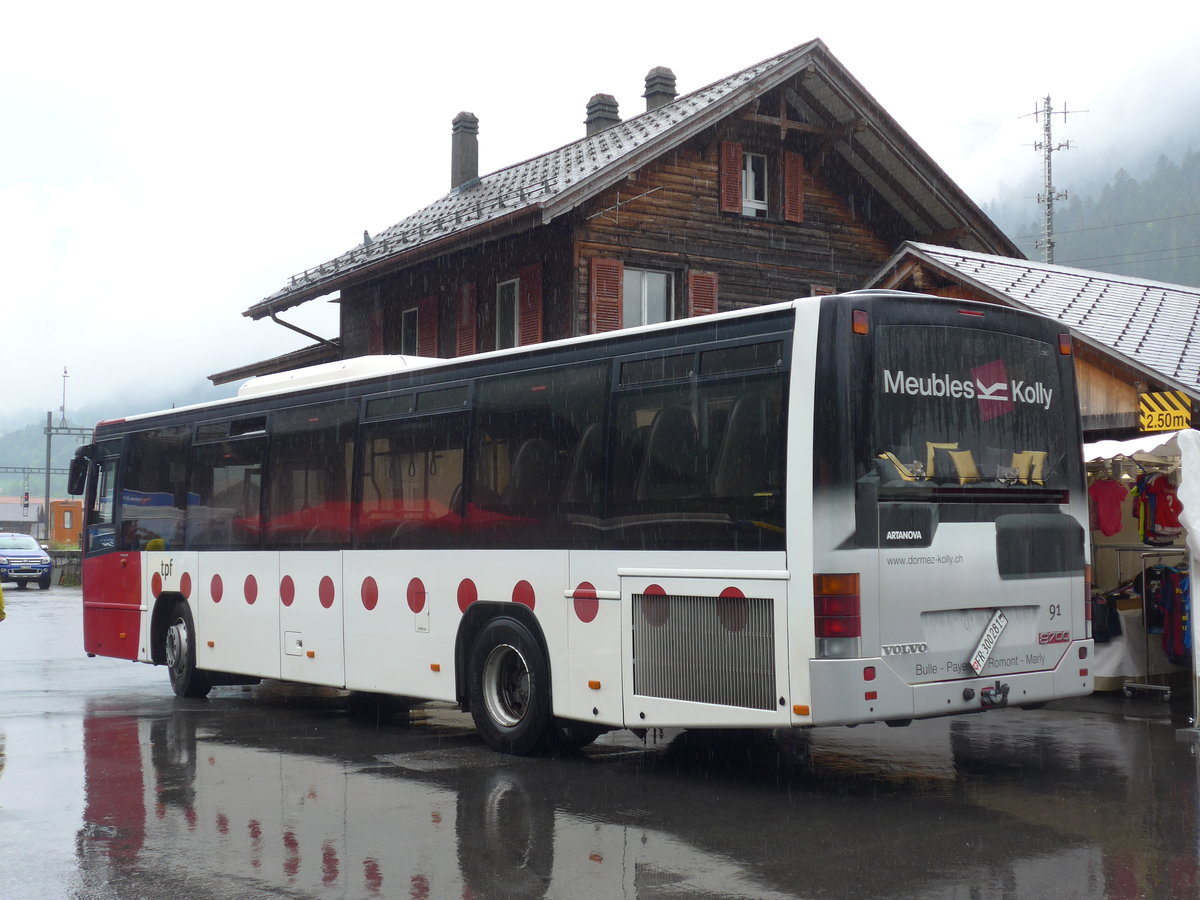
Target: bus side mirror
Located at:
point(77, 475)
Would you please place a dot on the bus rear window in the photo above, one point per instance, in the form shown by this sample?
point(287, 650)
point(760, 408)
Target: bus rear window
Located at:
point(965, 408)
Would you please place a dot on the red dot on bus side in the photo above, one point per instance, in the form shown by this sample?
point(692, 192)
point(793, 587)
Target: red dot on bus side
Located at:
point(287, 590)
point(370, 593)
point(587, 607)
point(250, 589)
point(216, 588)
point(185, 586)
point(156, 585)
point(655, 606)
point(416, 595)
point(373, 874)
point(325, 592)
point(732, 609)
point(467, 594)
point(523, 593)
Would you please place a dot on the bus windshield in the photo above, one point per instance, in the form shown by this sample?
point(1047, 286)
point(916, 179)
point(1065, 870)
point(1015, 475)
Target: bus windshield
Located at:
point(963, 410)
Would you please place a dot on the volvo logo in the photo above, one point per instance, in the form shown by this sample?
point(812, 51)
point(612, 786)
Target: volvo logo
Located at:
point(904, 649)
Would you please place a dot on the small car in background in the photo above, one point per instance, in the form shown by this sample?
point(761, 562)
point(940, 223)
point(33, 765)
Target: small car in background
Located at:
point(23, 559)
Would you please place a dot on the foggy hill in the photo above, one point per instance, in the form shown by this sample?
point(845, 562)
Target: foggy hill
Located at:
point(1143, 224)
point(23, 438)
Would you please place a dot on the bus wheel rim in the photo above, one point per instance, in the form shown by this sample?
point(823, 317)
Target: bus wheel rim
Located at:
point(177, 646)
point(506, 685)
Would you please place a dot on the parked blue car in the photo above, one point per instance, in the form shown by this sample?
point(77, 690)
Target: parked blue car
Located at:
point(23, 560)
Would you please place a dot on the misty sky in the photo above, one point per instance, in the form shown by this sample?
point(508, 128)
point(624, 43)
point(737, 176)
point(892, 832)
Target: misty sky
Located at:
point(165, 166)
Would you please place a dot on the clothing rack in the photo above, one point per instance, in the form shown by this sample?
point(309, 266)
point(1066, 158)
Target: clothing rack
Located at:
point(1131, 687)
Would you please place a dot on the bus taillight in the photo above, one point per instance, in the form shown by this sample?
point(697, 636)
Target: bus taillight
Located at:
point(837, 609)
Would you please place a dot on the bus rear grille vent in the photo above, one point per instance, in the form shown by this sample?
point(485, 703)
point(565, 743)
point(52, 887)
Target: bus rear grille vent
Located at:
point(705, 649)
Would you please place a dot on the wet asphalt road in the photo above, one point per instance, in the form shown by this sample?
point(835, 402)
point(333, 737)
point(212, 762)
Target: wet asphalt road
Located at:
point(111, 788)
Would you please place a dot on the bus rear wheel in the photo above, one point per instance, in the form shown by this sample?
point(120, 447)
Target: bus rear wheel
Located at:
point(180, 647)
point(510, 689)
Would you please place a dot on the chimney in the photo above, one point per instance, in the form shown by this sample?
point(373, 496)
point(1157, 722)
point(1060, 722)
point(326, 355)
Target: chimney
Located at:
point(464, 149)
point(601, 113)
point(660, 87)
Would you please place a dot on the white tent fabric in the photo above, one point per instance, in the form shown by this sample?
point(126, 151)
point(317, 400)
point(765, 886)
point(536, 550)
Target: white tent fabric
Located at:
point(1156, 445)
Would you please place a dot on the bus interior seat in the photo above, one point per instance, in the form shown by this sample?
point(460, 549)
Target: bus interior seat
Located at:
point(671, 464)
point(584, 476)
point(534, 477)
point(744, 461)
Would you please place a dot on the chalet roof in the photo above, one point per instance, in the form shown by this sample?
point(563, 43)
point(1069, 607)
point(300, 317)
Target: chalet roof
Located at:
point(540, 189)
point(1154, 325)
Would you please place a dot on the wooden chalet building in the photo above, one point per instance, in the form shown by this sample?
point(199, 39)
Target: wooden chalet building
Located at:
point(785, 179)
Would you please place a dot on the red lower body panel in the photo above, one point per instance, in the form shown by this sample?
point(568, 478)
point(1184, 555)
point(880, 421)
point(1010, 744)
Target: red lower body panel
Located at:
point(112, 601)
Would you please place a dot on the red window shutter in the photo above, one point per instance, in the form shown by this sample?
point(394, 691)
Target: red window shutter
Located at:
point(529, 317)
point(730, 187)
point(465, 337)
point(375, 331)
point(607, 288)
point(427, 326)
point(793, 187)
point(702, 293)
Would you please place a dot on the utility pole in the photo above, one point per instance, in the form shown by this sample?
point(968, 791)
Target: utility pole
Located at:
point(63, 409)
point(1049, 195)
point(50, 431)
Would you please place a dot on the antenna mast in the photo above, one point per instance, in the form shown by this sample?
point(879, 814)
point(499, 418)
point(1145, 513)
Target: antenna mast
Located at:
point(1049, 195)
point(63, 409)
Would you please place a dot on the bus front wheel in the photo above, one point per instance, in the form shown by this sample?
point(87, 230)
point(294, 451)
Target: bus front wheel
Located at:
point(510, 689)
point(186, 679)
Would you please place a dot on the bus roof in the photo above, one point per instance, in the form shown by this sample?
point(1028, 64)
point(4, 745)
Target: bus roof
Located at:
point(349, 371)
point(356, 369)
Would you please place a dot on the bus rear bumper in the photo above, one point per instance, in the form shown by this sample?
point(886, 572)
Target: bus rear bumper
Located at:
point(854, 691)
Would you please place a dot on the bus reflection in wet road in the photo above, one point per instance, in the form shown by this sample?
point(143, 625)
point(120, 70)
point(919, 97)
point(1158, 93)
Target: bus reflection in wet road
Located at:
point(112, 788)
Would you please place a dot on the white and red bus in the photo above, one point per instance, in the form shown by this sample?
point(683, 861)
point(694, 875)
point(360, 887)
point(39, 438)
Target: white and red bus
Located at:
point(867, 507)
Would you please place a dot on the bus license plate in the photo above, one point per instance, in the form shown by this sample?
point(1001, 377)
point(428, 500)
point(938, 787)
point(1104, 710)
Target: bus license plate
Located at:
point(987, 643)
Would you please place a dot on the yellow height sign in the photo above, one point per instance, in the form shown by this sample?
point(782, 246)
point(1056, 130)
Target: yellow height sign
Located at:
point(1164, 411)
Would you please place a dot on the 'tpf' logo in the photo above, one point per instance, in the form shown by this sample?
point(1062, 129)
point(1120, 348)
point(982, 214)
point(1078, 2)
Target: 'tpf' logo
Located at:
point(991, 390)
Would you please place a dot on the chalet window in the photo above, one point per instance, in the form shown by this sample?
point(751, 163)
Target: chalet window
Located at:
point(745, 187)
point(649, 297)
point(754, 185)
point(408, 332)
point(507, 310)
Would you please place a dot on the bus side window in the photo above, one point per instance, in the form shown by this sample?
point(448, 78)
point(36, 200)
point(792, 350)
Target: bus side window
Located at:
point(226, 484)
point(308, 476)
point(700, 465)
point(153, 490)
point(100, 524)
point(535, 477)
point(410, 476)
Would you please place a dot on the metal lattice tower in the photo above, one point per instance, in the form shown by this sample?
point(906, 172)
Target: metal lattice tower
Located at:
point(1049, 194)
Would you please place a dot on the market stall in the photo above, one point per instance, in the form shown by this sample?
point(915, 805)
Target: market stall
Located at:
point(1140, 563)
